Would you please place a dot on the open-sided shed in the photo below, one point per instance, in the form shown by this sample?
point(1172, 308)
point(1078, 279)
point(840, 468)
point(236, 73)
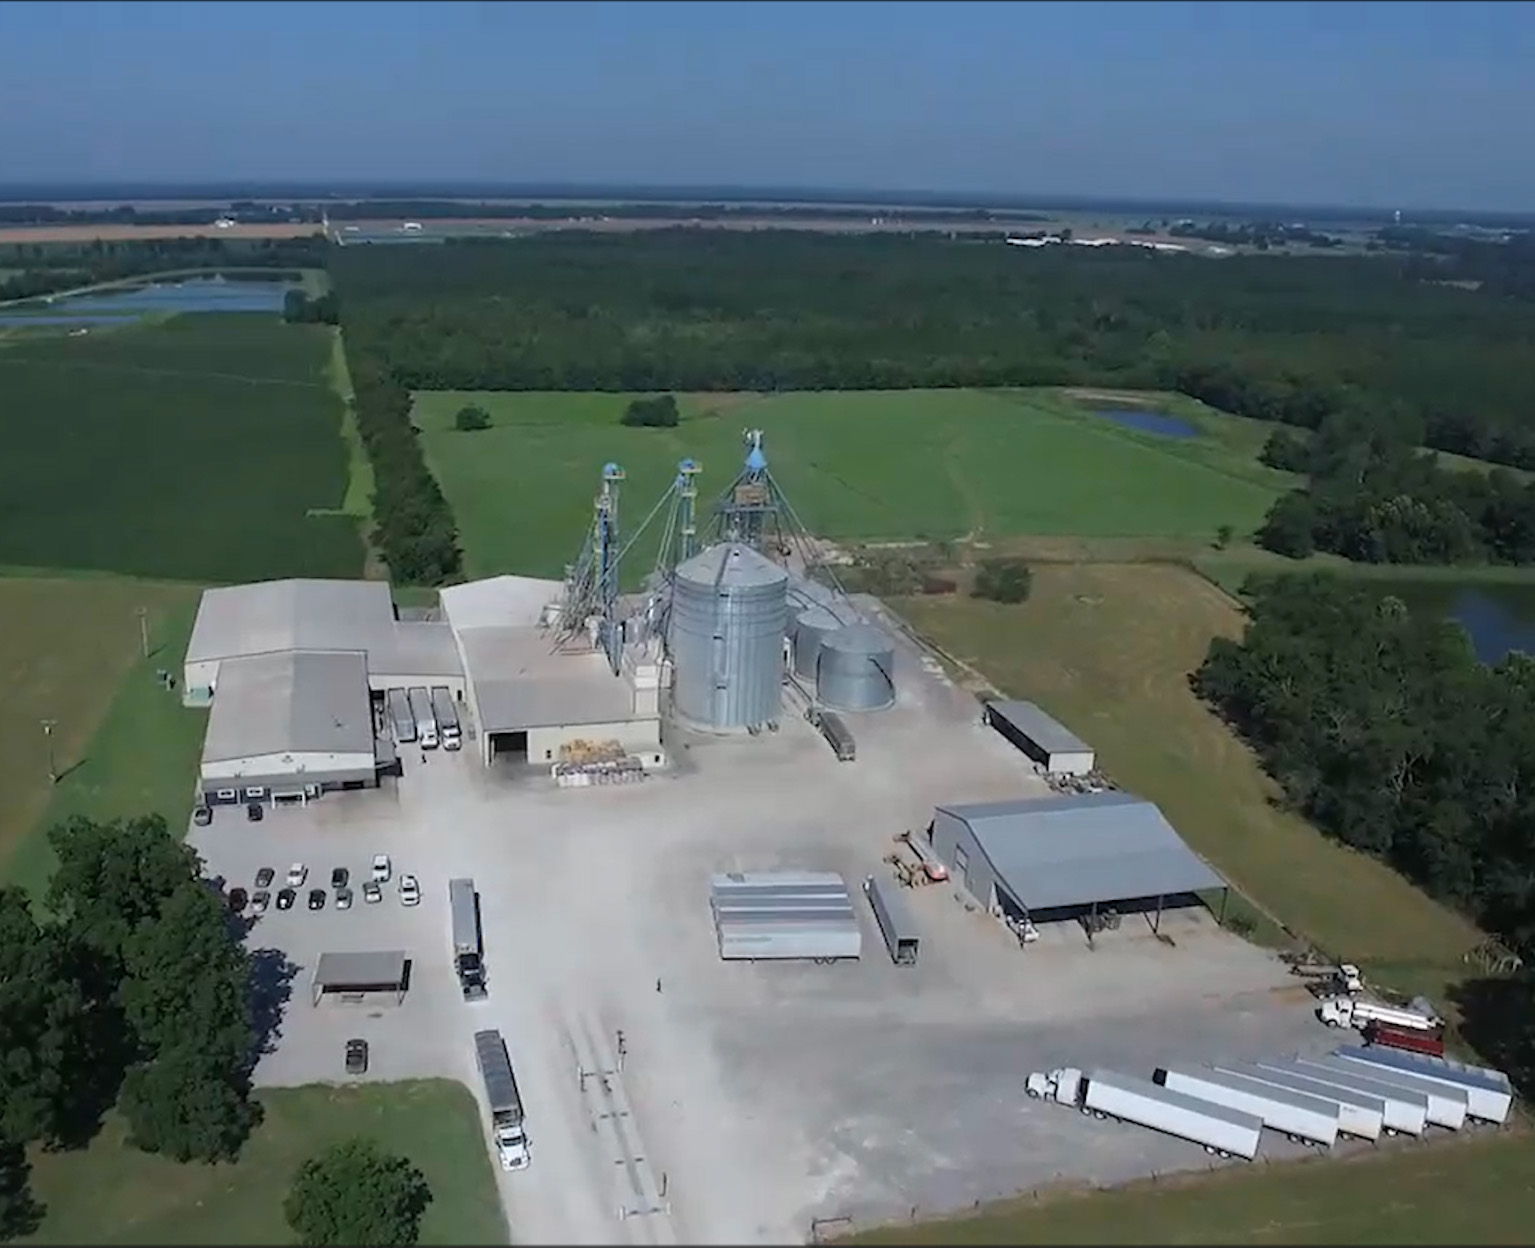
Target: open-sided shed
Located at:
point(362, 977)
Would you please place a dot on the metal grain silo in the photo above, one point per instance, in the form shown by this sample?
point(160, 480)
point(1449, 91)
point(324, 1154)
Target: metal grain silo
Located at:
point(811, 627)
point(856, 669)
point(726, 633)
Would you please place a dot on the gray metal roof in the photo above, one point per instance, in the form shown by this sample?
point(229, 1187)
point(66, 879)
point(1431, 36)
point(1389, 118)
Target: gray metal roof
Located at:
point(519, 684)
point(731, 564)
point(498, 602)
point(859, 639)
point(373, 969)
point(416, 648)
point(1080, 848)
point(270, 616)
point(1040, 728)
point(297, 702)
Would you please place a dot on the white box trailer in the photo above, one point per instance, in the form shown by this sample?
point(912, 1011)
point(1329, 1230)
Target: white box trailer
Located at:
point(1305, 1119)
point(426, 723)
point(445, 713)
point(1488, 1093)
point(1359, 1114)
point(1226, 1132)
point(1446, 1104)
point(1402, 1112)
point(401, 720)
point(895, 921)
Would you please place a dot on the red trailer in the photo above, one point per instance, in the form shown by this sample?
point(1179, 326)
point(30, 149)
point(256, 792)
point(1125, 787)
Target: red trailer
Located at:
point(1429, 1043)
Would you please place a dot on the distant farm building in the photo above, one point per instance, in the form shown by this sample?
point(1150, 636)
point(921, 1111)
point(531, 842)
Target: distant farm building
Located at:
point(1049, 743)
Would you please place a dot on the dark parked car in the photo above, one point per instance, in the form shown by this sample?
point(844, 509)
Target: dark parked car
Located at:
point(254, 813)
point(202, 816)
point(285, 899)
point(260, 901)
point(339, 877)
point(264, 877)
point(317, 899)
point(237, 899)
point(356, 1057)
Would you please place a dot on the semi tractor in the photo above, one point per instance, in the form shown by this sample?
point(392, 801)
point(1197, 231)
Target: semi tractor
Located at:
point(1352, 1012)
point(506, 1125)
point(1305, 1119)
point(1107, 1094)
point(468, 955)
point(1444, 1107)
point(445, 713)
point(401, 720)
point(1359, 1114)
point(426, 722)
point(1402, 1112)
point(1488, 1093)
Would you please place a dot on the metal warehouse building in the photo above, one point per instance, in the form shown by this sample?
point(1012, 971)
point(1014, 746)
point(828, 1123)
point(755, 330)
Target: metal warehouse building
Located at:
point(1060, 857)
point(1049, 743)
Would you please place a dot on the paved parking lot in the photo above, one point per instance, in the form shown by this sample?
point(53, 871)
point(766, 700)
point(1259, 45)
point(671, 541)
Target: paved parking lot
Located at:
point(761, 1095)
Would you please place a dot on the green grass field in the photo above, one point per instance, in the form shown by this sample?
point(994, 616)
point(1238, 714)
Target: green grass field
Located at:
point(188, 449)
point(868, 465)
point(114, 1194)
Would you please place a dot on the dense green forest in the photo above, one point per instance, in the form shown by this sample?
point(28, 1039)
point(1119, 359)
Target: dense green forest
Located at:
point(1387, 733)
point(47, 267)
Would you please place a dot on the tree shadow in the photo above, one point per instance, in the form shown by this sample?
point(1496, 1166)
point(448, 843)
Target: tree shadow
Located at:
point(1498, 1021)
point(272, 976)
point(20, 1212)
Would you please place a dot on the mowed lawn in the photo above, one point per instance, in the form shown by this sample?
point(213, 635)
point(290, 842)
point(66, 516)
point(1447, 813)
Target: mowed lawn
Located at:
point(1108, 648)
point(114, 1194)
point(193, 448)
point(68, 648)
point(1472, 1191)
point(855, 465)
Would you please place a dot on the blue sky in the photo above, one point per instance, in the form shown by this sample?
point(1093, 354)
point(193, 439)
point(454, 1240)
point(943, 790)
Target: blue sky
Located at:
point(1383, 104)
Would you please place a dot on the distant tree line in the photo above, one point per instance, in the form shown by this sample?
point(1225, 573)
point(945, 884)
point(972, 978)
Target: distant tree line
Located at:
point(1385, 731)
point(137, 992)
point(49, 267)
point(244, 213)
point(1374, 499)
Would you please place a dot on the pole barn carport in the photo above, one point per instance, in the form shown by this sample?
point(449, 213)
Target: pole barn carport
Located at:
point(355, 977)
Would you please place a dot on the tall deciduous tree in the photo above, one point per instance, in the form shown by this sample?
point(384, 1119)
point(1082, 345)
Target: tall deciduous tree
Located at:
point(356, 1194)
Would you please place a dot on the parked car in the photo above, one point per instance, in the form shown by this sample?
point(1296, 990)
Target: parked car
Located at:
point(260, 902)
point(264, 877)
point(317, 899)
point(286, 898)
point(372, 892)
point(343, 899)
point(339, 877)
point(356, 1057)
point(254, 812)
point(410, 891)
point(381, 868)
point(202, 816)
point(297, 874)
point(237, 899)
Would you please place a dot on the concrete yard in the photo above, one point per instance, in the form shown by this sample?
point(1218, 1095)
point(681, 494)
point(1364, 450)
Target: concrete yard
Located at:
point(750, 1098)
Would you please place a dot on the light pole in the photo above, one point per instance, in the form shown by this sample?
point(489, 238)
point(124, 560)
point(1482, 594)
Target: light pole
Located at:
point(48, 726)
point(143, 614)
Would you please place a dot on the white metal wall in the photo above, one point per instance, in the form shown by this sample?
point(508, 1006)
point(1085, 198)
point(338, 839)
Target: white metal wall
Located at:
point(295, 765)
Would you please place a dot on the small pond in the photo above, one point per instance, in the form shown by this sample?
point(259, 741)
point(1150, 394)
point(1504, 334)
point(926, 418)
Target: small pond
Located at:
point(1149, 422)
point(122, 306)
point(1499, 617)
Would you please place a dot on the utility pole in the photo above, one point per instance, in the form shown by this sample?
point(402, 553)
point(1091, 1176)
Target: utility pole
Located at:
point(48, 727)
point(143, 614)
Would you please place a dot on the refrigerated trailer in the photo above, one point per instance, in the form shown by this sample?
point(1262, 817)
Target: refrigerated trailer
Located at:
point(426, 724)
point(895, 921)
point(1108, 1094)
point(1402, 1111)
point(1359, 1114)
point(401, 720)
point(445, 713)
point(1488, 1093)
point(1446, 1105)
point(1305, 1119)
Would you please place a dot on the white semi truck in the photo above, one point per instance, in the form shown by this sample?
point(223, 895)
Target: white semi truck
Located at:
point(1359, 1114)
point(468, 955)
point(506, 1125)
point(1402, 1112)
point(1489, 1095)
point(1107, 1094)
point(1305, 1119)
point(1352, 1012)
point(401, 720)
point(445, 713)
point(426, 722)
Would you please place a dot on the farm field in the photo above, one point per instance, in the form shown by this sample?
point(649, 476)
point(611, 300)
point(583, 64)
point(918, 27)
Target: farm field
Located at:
point(1454, 1192)
point(135, 1198)
point(856, 465)
point(68, 646)
point(1107, 648)
point(192, 448)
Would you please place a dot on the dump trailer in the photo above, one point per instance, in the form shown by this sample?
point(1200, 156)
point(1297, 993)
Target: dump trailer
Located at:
point(445, 713)
point(1488, 1094)
point(468, 954)
point(401, 720)
point(506, 1126)
point(1352, 1012)
point(1402, 1112)
point(1106, 1094)
point(1305, 1119)
point(1384, 1035)
point(838, 735)
point(426, 722)
point(1359, 1115)
point(895, 921)
point(1446, 1104)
